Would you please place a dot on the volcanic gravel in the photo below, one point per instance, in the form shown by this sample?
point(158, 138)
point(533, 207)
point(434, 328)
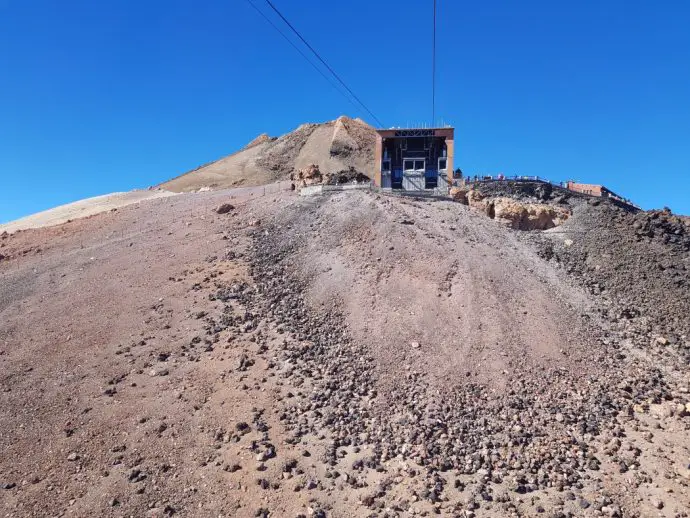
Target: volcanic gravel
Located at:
point(345, 355)
point(537, 434)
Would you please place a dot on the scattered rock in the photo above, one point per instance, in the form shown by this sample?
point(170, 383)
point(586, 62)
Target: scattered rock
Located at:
point(225, 208)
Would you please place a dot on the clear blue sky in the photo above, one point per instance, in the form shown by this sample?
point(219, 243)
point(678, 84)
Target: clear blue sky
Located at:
point(98, 97)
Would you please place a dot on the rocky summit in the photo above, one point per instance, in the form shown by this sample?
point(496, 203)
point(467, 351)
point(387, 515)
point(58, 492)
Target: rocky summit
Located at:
point(343, 144)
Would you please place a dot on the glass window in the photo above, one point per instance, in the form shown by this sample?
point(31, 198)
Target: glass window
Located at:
point(408, 165)
point(419, 165)
point(442, 163)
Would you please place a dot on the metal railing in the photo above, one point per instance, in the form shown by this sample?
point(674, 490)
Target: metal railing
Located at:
point(513, 178)
point(531, 179)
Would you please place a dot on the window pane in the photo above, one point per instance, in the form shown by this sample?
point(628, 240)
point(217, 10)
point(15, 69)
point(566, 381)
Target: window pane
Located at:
point(419, 165)
point(408, 164)
point(442, 163)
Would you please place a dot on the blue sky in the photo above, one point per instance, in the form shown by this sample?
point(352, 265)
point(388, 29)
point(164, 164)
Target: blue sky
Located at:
point(105, 96)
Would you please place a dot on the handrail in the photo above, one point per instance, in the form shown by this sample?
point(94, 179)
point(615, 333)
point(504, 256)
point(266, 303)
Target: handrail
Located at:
point(526, 178)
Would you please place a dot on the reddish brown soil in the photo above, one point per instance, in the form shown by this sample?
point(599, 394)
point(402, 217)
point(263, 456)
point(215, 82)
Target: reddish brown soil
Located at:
point(143, 369)
point(88, 316)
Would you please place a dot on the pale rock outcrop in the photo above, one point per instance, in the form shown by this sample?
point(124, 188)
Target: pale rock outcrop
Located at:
point(516, 214)
point(310, 175)
point(526, 216)
point(459, 194)
point(475, 199)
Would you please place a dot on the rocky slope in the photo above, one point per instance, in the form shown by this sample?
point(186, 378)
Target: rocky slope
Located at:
point(346, 355)
point(637, 261)
point(333, 146)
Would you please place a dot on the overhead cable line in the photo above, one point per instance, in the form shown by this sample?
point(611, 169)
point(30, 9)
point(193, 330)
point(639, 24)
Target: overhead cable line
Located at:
point(323, 62)
point(334, 85)
point(433, 73)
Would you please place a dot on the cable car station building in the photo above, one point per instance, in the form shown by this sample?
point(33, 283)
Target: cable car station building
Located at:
point(416, 159)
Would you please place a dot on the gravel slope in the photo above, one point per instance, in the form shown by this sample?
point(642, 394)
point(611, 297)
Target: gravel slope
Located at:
point(347, 355)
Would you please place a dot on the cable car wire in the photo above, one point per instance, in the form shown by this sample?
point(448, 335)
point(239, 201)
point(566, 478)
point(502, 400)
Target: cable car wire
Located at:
point(433, 73)
point(324, 62)
point(330, 81)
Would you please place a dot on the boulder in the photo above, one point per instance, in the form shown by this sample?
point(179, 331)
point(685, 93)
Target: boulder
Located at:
point(459, 194)
point(310, 175)
point(225, 208)
point(475, 199)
